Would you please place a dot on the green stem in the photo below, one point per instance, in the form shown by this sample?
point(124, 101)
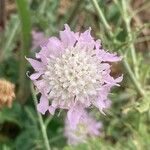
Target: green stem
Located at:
point(41, 122)
point(24, 14)
point(102, 17)
point(133, 79)
point(127, 21)
point(47, 121)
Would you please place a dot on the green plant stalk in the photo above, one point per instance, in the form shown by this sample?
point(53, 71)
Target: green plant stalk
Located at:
point(42, 7)
point(102, 17)
point(125, 63)
point(41, 122)
point(127, 21)
point(132, 77)
point(47, 121)
point(23, 10)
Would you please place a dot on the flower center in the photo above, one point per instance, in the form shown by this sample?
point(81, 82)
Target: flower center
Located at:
point(74, 74)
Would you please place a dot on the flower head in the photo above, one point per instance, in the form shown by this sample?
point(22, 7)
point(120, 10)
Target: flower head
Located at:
point(86, 127)
point(7, 94)
point(73, 73)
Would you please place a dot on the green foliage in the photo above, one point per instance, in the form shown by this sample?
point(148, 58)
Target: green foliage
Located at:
point(144, 105)
point(10, 37)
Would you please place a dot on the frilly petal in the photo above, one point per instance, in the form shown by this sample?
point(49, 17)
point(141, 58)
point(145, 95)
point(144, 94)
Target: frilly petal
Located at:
point(42, 86)
point(68, 37)
point(111, 81)
point(106, 56)
point(43, 106)
point(86, 40)
point(35, 76)
point(38, 66)
point(52, 110)
point(74, 114)
point(54, 46)
point(102, 104)
point(52, 49)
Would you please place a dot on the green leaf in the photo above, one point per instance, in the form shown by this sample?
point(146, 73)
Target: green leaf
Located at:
point(144, 105)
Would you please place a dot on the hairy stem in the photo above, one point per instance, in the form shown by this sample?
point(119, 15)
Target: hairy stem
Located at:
point(133, 79)
point(102, 17)
point(127, 21)
point(41, 122)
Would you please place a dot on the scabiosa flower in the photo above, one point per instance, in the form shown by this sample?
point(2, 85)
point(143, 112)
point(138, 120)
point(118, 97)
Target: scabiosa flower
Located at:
point(86, 127)
point(72, 72)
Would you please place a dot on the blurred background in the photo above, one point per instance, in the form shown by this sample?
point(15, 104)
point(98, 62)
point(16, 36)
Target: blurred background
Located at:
point(123, 27)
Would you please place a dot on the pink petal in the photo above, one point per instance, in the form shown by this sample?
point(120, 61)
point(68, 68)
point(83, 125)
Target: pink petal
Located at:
point(43, 58)
point(42, 107)
point(54, 46)
point(110, 80)
point(105, 89)
point(105, 66)
point(119, 79)
point(86, 36)
point(52, 110)
point(38, 66)
point(35, 75)
point(52, 49)
point(98, 44)
point(68, 37)
point(74, 114)
point(42, 86)
point(106, 56)
point(102, 101)
point(102, 104)
point(86, 40)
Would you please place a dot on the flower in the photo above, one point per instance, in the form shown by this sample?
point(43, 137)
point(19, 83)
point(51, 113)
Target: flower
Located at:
point(73, 73)
point(86, 127)
point(7, 94)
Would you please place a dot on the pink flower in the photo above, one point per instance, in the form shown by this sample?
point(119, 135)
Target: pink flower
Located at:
point(86, 127)
point(72, 72)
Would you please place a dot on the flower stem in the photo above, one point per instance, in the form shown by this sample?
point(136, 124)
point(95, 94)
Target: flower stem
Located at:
point(24, 14)
point(133, 79)
point(41, 122)
point(127, 21)
point(102, 17)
